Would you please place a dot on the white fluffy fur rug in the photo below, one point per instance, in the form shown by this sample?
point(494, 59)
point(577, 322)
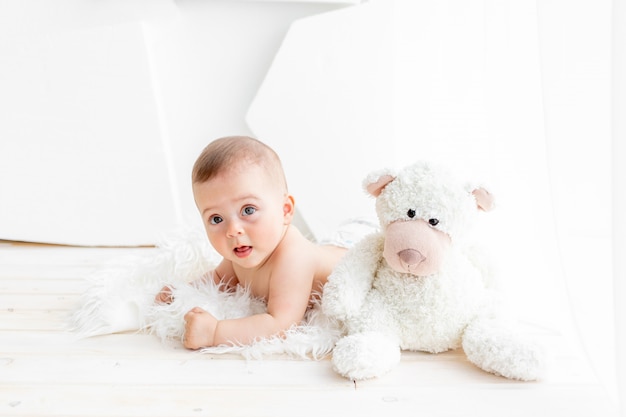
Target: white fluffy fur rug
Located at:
point(120, 298)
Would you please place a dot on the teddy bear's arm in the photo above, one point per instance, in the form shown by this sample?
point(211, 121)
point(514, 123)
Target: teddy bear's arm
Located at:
point(352, 278)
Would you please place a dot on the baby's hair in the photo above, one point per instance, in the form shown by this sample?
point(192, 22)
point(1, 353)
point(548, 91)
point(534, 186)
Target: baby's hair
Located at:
point(229, 152)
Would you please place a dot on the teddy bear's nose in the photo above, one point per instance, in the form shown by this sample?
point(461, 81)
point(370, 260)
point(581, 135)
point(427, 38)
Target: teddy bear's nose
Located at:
point(411, 256)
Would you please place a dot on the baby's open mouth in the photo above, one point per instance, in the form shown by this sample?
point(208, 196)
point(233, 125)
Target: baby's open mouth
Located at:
point(242, 251)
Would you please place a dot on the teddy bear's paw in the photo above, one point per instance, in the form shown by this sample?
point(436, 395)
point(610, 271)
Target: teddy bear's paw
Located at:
point(503, 351)
point(365, 355)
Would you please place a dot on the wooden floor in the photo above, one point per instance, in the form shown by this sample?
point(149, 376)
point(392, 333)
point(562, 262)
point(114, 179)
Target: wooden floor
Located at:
point(45, 371)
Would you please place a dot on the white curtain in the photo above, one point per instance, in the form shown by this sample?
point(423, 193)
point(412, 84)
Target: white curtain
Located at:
point(619, 191)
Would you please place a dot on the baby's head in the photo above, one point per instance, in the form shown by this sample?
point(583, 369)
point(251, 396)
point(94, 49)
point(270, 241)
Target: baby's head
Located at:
point(241, 193)
point(233, 153)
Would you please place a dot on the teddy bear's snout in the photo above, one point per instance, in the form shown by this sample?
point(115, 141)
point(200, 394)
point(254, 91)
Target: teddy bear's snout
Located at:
point(411, 257)
point(414, 247)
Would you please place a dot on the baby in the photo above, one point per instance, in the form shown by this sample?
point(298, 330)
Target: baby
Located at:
point(241, 193)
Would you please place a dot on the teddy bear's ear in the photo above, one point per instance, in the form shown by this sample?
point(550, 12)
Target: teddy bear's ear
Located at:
point(376, 182)
point(484, 199)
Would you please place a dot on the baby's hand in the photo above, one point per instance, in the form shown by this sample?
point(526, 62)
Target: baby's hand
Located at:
point(199, 329)
point(164, 296)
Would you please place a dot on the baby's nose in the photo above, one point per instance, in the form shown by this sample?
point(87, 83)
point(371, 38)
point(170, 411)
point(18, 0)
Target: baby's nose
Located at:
point(234, 229)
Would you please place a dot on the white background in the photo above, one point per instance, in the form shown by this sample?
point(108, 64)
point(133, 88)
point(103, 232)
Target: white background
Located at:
point(105, 105)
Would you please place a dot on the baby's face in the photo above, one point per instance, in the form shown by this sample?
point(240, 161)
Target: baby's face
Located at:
point(245, 214)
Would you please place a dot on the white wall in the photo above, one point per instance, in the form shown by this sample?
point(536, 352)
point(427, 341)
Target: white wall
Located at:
point(80, 154)
point(209, 64)
point(104, 107)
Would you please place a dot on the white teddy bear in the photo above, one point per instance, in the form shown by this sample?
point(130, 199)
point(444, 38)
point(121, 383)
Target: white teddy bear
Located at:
point(412, 286)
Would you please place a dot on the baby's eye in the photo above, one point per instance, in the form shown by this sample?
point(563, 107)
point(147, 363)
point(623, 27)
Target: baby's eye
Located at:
point(248, 210)
point(215, 219)
point(433, 222)
point(410, 213)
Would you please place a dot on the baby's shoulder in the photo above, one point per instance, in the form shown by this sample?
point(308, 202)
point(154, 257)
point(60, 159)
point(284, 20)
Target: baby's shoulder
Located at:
point(295, 246)
point(295, 242)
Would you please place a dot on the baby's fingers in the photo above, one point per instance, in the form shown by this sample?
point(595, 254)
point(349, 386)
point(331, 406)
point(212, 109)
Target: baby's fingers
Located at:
point(164, 296)
point(192, 312)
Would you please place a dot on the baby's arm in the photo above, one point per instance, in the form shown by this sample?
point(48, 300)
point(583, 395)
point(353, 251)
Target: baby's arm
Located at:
point(222, 275)
point(289, 290)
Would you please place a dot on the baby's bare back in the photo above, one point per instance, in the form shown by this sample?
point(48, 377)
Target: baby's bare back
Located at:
point(305, 261)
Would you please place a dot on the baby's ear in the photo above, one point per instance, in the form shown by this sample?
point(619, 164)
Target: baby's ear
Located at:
point(377, 181)
point(289, 207)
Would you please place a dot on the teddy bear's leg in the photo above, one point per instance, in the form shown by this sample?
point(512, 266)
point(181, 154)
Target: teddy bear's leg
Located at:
point(365, 355)
point(499, 349)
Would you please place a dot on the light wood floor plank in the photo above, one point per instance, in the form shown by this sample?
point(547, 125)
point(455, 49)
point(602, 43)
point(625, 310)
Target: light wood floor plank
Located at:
point(29, 320)
point(9, 286)
point(39, 301)
point(200, 400)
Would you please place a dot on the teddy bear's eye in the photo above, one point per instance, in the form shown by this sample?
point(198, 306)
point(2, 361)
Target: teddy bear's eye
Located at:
point(410, 213)
point(433, 222)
